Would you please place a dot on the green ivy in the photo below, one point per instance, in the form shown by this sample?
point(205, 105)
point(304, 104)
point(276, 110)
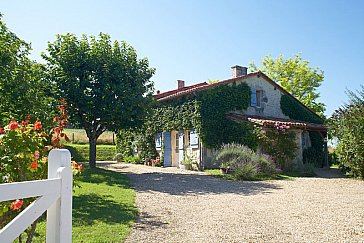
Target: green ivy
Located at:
point(205, 112)
point(295, 110)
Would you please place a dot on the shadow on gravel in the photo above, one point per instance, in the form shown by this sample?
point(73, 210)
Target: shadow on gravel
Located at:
point(190, 184)
point(329, 173)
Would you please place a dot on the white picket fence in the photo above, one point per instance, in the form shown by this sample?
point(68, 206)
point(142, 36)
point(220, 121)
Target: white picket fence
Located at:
point(55, 196)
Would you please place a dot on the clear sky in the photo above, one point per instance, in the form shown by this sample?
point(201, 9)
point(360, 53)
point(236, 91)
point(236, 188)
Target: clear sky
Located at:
point(197, 40)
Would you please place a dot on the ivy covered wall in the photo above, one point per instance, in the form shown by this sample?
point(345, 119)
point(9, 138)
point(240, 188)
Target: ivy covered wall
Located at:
point(296, 111)
point(204, 111)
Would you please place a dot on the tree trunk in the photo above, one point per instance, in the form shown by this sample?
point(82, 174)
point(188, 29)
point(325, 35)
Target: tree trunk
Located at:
point(92, 152)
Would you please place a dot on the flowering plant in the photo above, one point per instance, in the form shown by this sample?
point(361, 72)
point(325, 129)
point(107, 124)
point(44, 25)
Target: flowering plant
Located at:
point(279, 143)
point(155, 161)
point(23, 157)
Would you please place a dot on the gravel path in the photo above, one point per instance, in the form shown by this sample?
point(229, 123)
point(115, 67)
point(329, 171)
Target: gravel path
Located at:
point(185, 206)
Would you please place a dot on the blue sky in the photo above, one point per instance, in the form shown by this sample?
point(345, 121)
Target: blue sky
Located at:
point(200, 40)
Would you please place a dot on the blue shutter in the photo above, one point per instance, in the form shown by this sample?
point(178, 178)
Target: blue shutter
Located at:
point(158, 141)
point(193, 139)
point(253, 98)
point(167, 155)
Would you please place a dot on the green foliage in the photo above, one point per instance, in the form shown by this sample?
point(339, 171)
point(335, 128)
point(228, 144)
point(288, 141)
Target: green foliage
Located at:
point(105, 84)
point(24, 86)
point(80, 152)
point(247, 171)
point(347, 125)
point(297, 111)
point(138, 142)
point(295, 76)
point(205, 112)
point(244, 162)
point(133, 160)
point(280, 143)
point(103, 208)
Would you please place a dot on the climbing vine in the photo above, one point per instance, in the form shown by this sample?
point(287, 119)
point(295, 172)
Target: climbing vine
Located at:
point(205, 112)
point(297, 111)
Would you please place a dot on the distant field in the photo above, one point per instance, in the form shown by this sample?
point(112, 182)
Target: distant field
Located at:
point(79, 136)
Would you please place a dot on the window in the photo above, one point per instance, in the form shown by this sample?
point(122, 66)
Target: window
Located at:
point(193, 139)
point(259, 96)
point(256, 97)
point(158, 140)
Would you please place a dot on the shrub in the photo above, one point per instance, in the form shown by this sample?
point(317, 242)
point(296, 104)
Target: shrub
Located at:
point(346, 124)
point(245, 163)
point(133, 160)
point(247, 171)
point(119, 157)
point(279, 143)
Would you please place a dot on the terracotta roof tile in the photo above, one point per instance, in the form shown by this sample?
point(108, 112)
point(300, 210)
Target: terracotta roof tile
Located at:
point(273, 121)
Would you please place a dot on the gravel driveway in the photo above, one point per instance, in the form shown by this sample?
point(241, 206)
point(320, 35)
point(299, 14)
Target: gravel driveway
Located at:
point(186, 206)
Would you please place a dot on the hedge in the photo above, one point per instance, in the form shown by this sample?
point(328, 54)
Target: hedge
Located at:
point(80, 152)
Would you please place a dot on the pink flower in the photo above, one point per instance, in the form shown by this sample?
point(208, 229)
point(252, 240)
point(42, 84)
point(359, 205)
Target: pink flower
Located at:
point(16, 205)
point(13, 125)
point(36, 155)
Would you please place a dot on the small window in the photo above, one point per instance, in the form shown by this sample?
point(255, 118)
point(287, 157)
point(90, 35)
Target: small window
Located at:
point(259, 95)
point(158, 140)
point(256, 97)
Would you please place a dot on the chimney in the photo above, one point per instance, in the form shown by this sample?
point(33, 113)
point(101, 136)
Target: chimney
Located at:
point(180, 84)
point(239, 71)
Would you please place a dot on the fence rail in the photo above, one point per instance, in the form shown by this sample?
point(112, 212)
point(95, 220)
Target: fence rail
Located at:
point(55, 196)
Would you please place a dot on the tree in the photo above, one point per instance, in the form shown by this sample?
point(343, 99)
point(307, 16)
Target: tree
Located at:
point(295, 76)
point(347, 125)
point(24, 87)
point(106, 86)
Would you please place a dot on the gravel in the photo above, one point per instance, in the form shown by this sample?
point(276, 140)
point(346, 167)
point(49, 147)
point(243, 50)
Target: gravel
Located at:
point(187, 206)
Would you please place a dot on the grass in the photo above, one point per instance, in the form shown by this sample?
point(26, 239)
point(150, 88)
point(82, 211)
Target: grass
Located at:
point(103, 208)
point(78, 136)
point(80, 152)
point(284, 176)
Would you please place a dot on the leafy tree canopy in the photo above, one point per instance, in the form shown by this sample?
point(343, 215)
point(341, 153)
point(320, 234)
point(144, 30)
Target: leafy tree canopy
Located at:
point(347, 125)
point(296, 76)
point(24, 87)
point(106, 86)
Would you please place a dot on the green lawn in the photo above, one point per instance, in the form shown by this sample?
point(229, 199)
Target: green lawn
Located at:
point(103, 208)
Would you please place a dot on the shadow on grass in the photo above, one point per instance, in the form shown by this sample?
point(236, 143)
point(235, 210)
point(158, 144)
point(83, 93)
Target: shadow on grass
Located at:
point(98, 175)
point(88, 208)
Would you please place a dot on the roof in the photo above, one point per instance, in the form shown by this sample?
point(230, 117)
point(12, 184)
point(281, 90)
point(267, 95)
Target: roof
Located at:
point(273, 122)
point(191, 90)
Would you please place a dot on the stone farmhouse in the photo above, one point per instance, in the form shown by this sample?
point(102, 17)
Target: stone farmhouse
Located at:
point(267, 107)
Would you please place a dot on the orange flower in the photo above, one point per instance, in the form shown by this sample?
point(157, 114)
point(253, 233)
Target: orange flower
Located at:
point(2, 131)
point(37, 125)
point(13, 125)
point(16, 205)
point(34, 165)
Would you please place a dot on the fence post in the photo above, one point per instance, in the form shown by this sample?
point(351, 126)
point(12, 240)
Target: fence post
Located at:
point(59, 215)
